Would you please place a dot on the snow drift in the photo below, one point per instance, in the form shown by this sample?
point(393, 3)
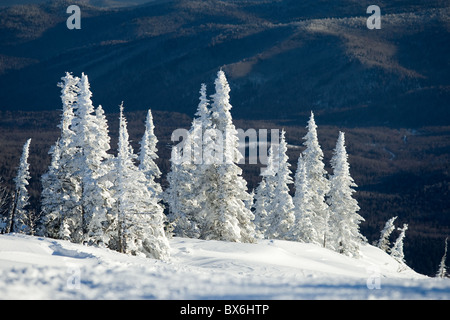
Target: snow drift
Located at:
point(43, 268)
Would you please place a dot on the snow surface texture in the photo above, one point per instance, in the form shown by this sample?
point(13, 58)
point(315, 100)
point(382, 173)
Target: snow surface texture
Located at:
point(43, 268)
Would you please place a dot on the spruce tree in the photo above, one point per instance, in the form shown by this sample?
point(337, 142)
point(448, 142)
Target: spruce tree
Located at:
point(69, 97)
point(383, 243)
point(261, 195)
point(173, 196)
point(52, 202)
point(264, 195)
point(303, 229)
point(20, 217)
point(281, 207)
point(103, 142)
point(397, 248)
point(60, 185)
point(203, 113)
point(180, 197)
point(140, 227)
point(186, 192)
point(226, 216)
point(4, 207)
point(91, 142)
point(148, 155)
point(442, 271)
point(317, 181)
point(344, 218)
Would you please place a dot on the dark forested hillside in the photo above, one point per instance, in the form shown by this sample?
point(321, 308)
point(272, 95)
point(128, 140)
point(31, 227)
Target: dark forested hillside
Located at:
point(283, 57)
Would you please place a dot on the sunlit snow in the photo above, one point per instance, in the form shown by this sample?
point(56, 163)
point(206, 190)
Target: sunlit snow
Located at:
point(42, 268)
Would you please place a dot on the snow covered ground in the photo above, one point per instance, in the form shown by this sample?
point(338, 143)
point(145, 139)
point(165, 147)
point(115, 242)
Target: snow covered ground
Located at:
point(42, 268)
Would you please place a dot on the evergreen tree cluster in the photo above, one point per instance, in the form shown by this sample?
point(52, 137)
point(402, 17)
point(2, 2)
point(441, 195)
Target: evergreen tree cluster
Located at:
point(208, 199)
point(207, 195)
point(396, 251)
point(322, 210)
point(90, 196)
point(93, 197)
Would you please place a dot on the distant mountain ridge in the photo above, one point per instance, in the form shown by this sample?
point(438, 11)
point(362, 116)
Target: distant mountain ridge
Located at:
point(283, 58)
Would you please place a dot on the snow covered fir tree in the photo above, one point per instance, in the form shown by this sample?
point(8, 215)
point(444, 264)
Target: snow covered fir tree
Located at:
point(140, 219)
point(318, 183)
point(442, 271)
point(20, 219)
point(344, 219)
point(383, 243)
point(218, 210)
point(278, 206)
point(90, 196)
point(95, 195)
point(303, 230)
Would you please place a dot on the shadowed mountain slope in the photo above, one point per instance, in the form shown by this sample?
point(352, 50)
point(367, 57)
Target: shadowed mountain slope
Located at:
point(283, 58)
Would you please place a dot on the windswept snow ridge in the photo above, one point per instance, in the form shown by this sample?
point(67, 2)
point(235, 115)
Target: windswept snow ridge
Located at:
point(43, 268)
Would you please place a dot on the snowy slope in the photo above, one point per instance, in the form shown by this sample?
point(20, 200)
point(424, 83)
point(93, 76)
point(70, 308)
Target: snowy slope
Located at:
point(41, 268)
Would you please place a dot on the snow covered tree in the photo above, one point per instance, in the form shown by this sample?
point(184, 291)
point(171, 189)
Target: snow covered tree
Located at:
point(51, 199)
point(203, 112)
point(140, 216)
point(222, 121)
point(102, 220)
point(199, 135)
point(4, 205)
point(303, 229)
point(264, 194)
point(172, 194)
point(75, 197)
point(383, 243)
point(20, 217)
point(69, 97)
point(180, 196)
point(397, 249)
point(60, 194)
point(90, 128)
point(442, 271)
point(344, 219)
point(186, 192)
point(226, 216)
point(91, 142)
point(281, 207)
point(317, 181)
point(260, 221)
point(148, 155)
point(103, 142)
